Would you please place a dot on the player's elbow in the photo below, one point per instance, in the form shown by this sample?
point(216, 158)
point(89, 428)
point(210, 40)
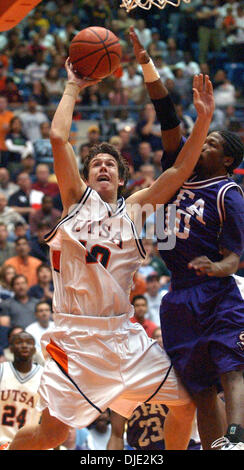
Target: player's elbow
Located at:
point(56, 137)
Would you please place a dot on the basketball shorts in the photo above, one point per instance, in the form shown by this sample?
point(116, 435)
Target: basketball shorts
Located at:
point(203, 330)
point(95, 363)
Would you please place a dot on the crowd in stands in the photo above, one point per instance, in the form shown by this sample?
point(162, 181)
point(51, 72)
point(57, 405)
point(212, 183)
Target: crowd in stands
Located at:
point(201, 36)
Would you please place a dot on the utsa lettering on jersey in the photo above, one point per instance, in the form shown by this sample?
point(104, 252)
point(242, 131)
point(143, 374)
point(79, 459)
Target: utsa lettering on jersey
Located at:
point(96, 358)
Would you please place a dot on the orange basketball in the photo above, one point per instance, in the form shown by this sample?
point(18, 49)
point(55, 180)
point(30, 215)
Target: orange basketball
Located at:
point(95, 52)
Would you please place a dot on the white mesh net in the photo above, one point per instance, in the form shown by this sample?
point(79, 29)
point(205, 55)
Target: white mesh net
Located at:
point(147, 4)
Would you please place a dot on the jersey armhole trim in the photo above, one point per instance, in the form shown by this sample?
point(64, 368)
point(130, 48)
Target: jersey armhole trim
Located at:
point(220, 199)
point(137, 239)
point(50, 235)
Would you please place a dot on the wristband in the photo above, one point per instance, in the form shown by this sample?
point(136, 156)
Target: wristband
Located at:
point(165, 112)
point(150, 72)
point(72, 89)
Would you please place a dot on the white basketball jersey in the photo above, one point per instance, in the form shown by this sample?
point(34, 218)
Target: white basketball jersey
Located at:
point(18, 399)
point(94, 254)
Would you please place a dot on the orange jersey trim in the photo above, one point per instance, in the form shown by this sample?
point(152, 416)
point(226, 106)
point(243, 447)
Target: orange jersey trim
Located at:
point(58, 355)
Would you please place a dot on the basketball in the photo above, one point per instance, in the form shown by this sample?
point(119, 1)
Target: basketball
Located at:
point(95, 52)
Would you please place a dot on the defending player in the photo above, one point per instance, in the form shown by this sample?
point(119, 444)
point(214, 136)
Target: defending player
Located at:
point(97, 357)
point(19, 382)
point(202, 318)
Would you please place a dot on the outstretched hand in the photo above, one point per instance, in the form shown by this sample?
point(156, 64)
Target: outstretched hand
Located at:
point(141, 54)
point(203, 97)
point(73, 77)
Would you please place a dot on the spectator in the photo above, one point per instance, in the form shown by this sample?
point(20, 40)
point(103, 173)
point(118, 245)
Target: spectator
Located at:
point(154, 296)
point(8, 215)
point(27, 165)
point(53, 84)
point(144, 34)
point(156, 159)
point(8, 355)
point(186, 123)
point(42, 181)
point(39, 248)
point(163, 69)
point(156, 46)
point(7, 249)
point(5, 117)
point(43, 290)
point(36, 70)
point(12, 93)
point(132, 83)
point(138, 287)
point(208, 34)
point(41, 325)
point(21, 58)
point(183, 83)
point(141, 308)
point(224, 91)
point(144, 154)
point(26, 200)
point(172, 55)
point(17, 144)
point(149, 129)
point(118, 96)
point(32, 119)
point(39, 93)
point(46, 213)
point(93, 135)
point(42, 147)
point(7, 273)
point(19, 310)
point(99, 432)
point(157, 335)
point(189, 66)
point(23, 262)
point(7, 187)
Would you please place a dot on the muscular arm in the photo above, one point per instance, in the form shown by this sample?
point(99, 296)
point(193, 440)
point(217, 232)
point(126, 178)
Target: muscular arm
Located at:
point(171, 136)
point(227, 266)
point(170, 181)
point(71, 186)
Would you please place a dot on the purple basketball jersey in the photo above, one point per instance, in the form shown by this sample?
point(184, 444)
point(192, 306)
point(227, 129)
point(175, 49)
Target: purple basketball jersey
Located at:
point(209, 217)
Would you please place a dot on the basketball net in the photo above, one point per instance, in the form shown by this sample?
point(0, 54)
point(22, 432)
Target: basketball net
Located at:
point(147, 4)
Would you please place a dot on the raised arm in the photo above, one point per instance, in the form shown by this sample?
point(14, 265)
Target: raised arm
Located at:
point(164, 107)
point(171, 180)
point(71, 186)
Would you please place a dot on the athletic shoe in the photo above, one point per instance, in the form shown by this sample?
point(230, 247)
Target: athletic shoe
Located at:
point(225, 444)
point(4, 445)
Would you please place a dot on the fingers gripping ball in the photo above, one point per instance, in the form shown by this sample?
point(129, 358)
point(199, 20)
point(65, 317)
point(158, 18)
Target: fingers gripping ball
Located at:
point(95, 52)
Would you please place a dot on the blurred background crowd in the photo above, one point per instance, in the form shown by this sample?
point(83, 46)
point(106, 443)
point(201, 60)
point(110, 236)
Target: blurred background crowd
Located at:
point(203, 35)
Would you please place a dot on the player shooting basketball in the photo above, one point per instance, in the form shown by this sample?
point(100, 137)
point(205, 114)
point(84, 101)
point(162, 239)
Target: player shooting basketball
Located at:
point(97, 357)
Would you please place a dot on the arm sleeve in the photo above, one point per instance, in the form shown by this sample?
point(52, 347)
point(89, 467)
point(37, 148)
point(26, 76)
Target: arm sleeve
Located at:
point(232, 233)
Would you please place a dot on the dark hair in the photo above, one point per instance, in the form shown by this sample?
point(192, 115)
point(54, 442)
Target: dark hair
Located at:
point(233, 147)
point(42, 302)
point(138, 297)
point(104, 147)
point(41, 266)
point(17, 277)
point(23, 237)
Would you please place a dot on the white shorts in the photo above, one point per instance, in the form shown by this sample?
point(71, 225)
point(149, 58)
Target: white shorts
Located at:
point(97, 363)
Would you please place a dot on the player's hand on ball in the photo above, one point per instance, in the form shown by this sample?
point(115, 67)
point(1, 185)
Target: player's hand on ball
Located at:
point(73, 77)
point(141, 54)
point(204, 266)
point(203, 96)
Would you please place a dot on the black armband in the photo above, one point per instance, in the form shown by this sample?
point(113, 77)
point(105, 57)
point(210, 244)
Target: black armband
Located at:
point(165, 112)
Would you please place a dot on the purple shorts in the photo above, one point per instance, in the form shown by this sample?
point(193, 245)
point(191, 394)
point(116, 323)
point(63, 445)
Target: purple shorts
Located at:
point(203, 330)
